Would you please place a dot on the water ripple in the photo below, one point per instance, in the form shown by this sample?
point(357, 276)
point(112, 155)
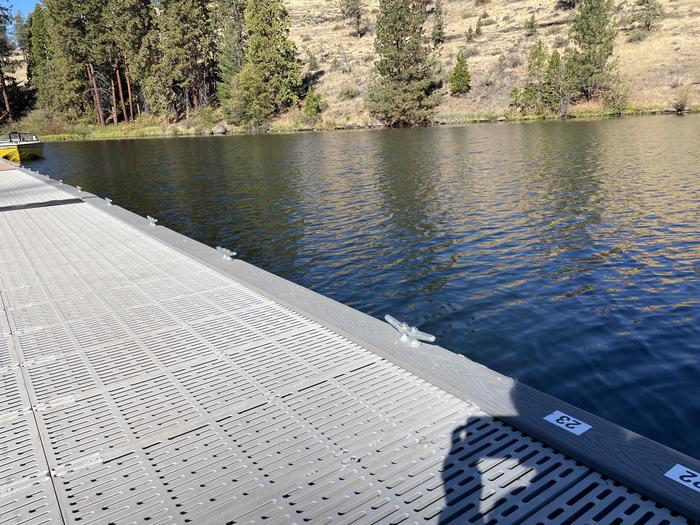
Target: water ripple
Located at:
point(564, 254)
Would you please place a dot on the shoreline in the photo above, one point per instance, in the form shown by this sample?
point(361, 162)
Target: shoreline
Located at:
point(138, 129)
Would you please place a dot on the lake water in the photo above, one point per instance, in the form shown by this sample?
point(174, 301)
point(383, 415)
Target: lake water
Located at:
point(566, 254)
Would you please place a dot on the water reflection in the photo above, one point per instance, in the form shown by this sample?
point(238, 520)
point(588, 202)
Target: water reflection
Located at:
point(565, 253)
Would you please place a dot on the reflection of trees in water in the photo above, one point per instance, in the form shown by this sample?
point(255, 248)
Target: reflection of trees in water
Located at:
point(246, 196)
point(565, 191)
point(410, 180)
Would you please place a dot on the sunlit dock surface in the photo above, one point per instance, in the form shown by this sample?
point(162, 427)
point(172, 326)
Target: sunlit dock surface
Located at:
point(145, 379)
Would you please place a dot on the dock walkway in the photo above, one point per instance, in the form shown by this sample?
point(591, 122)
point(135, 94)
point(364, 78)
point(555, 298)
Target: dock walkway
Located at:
point(145, 379)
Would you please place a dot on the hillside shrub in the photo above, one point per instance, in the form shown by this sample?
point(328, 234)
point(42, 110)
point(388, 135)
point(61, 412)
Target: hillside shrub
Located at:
point(348, 93)
point(682, 100)
point(313, 107)
point(531, 26)
point(616, 98)
point(460, 80)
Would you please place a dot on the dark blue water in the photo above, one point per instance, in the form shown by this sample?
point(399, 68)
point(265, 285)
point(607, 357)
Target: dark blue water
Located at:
point(566, 254)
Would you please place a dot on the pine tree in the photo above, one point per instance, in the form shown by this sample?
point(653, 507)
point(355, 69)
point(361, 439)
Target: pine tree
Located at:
point(403, 93)
point(594, 32)
point(460, 80)
point(39, 59)
point(127, 23)
point(478, 31)
point(313, 106)
point(469, 35)
point(531, 26)
point(271, 77)
point(70, 29)
point(21, 29)
point(182, 72)
point(529, 99)
point(438, 34)
point(231, 52)
point(646, 13)
point(549, 85)
point(352, 10)
point(553, 82)
point(6, 65)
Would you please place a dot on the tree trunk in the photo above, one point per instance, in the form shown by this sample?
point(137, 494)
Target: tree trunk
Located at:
point(96, 95)
point(128, 88)
point(121, 95)
point(195, 98)
point(114, 97)
point(8, 108)
point(92, 92)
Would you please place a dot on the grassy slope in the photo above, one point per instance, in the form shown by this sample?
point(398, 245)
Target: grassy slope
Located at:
point(657, 68)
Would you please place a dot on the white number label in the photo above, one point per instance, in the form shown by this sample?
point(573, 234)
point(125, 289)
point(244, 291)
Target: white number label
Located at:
point(567, 422)
point(685, 476)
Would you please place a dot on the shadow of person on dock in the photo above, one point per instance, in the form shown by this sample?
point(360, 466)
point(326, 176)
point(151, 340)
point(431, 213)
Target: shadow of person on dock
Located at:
point(489, 471)
point(496, 474)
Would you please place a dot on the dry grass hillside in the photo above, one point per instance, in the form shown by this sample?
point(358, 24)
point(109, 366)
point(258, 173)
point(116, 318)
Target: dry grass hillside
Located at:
point(657, 67)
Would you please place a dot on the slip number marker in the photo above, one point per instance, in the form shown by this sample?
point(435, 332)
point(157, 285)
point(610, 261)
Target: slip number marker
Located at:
point(685, 476)
point(568, 423)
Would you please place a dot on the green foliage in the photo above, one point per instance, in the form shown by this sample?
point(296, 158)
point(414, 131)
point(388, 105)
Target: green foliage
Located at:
point(681, 102)
point(594, 33)
point(348, 93)
point(21, 30)
point(313, 106)
point(478, 31)
point(311, 61)
point(403, 93)
point(188, 54)
point(231, 52)
point(469, 35)
point(39, 59)
point(438, 33)
point(646, 14)
point(616, 98)
point(351, 10)
point(271, 77)
point(72, 44)
point(549, 85)
point(125, 24)
point(531, 26)
point(460, 79)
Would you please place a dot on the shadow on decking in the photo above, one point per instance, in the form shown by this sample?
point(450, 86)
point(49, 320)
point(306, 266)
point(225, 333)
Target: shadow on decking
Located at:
point(495, 474)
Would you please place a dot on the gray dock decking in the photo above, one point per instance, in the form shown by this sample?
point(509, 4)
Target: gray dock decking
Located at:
point(144, 380)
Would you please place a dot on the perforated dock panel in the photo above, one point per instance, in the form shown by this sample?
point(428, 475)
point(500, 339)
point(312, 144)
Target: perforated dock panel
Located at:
point(19, 189)
point(139, 386)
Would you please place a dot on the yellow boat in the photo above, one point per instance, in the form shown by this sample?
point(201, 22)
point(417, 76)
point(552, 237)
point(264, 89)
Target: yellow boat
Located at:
point(21, 146)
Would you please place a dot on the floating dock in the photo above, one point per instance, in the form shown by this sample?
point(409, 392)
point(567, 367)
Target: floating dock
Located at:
point(149, 379)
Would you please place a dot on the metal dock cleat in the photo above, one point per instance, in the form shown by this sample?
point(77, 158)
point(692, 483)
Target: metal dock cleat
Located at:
point(228, 254)
point(152, 220)
point(409, 334)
